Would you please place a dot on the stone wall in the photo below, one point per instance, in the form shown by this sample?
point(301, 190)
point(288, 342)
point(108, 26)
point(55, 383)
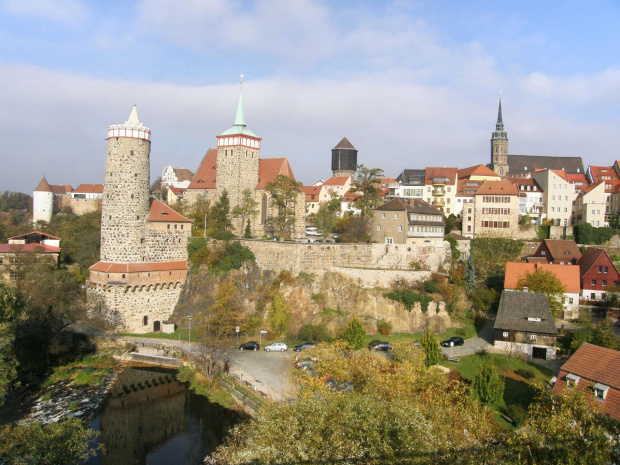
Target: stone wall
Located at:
point(297, 257)
point(79, 206)
point(164, 245)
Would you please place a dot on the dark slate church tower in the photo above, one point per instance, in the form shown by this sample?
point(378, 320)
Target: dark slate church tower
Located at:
point(344, 159)
point(499, 145)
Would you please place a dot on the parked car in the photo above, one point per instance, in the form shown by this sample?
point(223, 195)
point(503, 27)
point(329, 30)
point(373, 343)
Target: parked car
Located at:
point(304, 346)
point(251, 345)
point(379, 345)
point(281, 346)
point(453, 341)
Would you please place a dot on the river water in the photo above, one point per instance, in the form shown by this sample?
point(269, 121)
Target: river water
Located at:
point(151, 418)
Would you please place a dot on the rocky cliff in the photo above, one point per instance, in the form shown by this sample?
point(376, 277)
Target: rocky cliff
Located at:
point(332, 297)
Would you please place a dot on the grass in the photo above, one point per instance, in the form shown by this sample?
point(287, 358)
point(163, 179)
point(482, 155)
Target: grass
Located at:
point(90, 370)
point(206, 388)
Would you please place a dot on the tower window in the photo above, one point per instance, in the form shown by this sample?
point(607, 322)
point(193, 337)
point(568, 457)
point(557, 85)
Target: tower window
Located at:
point(135, 175)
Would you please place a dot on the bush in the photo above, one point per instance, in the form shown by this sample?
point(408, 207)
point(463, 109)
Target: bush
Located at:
point(314, 333)
point(488, 386)
point(354, 334)
point(384, 326)
point(527, 374)
point(516, 412)
point(409, 298)
point(429, 286)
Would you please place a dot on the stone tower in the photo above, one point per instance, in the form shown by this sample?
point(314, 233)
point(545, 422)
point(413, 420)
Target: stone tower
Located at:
point(344, 159)
point(499, 145)
point(42, 202)
point(126, 191)
point(238, 152)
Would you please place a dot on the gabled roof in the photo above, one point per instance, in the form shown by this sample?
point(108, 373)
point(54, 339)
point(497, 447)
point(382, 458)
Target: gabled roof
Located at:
point(530, 163)
point(177, 190)
point(160, 212)
point(89, 189)
point(577, 178)
point(310, 191)
point(43, 186)
point(591, 187)
point(32, 247)
point(518, 309)
point(62, 189)
point(350, 197)
point(37, 233)
point(411, 177)
point(595, 363)
point(344, 144)
point(205, 175)
point(270, 168)
point(410, 205)
point(560, 173)
point(562, 250)
point(525, 182)
point(183, 174)
point(439, 172)
point(590, 258)
point(568, 275)
point(498, 188)
point(478, 170)
point(597, 173)
point(337, 181)
point(108, 267)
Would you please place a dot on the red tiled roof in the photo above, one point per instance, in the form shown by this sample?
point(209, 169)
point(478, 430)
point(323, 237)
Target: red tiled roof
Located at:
point(350, 197)
point(560, 173)
point(591, 187)
point(62, 189)
point(434, 172)
point(107, 267)
point(568, 275)
point(35, 232)
point(562, 250)
point(336, 181)
point(33, 247)
point(598, 171)
point(177, 190)
point(205, 175)
point(159, 211)
point(478, 170)
point(611, 184)
point(577, 178)
point(344, 144)
point(183, 174)
point(498, 188)
point(89, 189)
point(270, 168)
point(310, 191)
point(43, 186)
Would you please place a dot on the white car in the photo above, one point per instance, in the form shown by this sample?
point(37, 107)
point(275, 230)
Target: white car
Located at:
point(281, 346)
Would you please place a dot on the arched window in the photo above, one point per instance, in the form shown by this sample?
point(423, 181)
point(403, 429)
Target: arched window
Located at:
point(263, 212)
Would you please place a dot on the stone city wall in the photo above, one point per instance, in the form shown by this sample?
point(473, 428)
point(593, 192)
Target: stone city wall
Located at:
point(79, 206)
point(164, 245)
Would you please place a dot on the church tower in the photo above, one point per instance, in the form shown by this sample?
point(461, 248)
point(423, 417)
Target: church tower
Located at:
point(344, 159)
point(238, 152)
point(499, 145)
point(126, 191)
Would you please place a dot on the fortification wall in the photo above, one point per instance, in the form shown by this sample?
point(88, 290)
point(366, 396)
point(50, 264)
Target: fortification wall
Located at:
point(297, 257)
point(165, 246)
point(369, 278)
point(79, 206)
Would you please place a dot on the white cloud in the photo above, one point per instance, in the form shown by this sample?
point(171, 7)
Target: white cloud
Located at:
point(60, 11)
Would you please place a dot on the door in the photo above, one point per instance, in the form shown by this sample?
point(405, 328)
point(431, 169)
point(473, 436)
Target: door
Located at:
point(156, 326)
point(539, 352)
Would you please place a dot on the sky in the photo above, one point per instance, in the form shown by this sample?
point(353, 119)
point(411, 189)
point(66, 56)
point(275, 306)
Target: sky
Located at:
point(411, 84)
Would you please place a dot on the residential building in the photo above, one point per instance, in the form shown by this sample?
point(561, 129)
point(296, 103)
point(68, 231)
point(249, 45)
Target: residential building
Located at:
point(176, 177)
point(598, 274)
point(441, 187)
point(495, 211)
point(593, 370)
point(410, 184)
point(567, 275)
point(524, 165)
point(312, 198)
point(530, 199)
point(175, 195)
point(335, 187)
point(524, 324)
point(469, 181)
point(590, 205)
point(558, 252)
point(558, 195)
point(23, 250)
point(407, 221)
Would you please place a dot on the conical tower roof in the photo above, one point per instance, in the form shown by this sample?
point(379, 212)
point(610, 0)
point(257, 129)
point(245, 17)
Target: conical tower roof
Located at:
point(239, 126)
point(43, 186)
point(133, 117)
point(499, 126)
point(344, 144)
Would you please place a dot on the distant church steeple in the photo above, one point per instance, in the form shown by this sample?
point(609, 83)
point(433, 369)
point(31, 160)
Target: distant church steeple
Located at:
point(499, 144)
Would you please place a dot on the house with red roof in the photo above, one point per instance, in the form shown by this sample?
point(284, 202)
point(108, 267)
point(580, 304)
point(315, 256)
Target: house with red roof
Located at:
point(495, 211)
point(591, 204)
point(441, 188)
point(593, 370)
point(598, 274)
point(469, 181)
point(530, 198)
point(558, 252)
point(175, 194)
point(558, 195)
point(567, 275)
point(24, 249)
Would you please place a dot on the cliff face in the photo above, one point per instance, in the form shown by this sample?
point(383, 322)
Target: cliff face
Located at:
point(332, 297)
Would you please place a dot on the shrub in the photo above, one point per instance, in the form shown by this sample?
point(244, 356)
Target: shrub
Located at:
point(318, 298)
point(314, 333)
point(516, 412)
point(487, 386)
point(285, 277)
point(305, 277)
point(409, 298)
point(429, 286)
point(384, 326)
point(354, 334)
point(431, 348)
point(527, 374)
point(331, 312)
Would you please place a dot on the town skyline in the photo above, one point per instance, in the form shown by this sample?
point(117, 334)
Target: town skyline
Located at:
point(409, 84)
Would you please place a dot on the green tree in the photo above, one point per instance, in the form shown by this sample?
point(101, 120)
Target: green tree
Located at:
point(219, 215)
point(451, 222)
point(367, 186)
point(490, 254)
point(487, 386)
point(11, 308)
point(546, 282)
point(64, 442)
point(314, 333)
point(432, 350)
point(325, 218)
point(246, 209)
point(354, 334)
point(279, 314)
point(284, 193)
point(353, 228)
point(604, 336)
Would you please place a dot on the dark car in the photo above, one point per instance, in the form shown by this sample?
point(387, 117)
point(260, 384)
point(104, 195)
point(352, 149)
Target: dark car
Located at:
point(379, 345)
point(304, 346)
point(252, 345)
point(453, 341)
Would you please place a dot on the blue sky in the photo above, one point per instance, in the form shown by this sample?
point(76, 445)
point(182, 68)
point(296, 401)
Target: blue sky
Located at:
point(409, 83)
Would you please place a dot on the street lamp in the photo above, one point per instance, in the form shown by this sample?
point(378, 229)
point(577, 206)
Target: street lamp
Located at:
point(190, 332)
point(260, 337)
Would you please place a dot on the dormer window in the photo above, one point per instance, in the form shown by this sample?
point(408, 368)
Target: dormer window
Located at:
point(572, 380)
point(600, 391)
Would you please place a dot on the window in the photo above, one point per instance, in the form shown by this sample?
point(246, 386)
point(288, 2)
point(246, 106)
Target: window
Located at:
point(593, 282)
point(600, 269)
point(145, 320)
point(532, 337)
point(604, 282)
point(378, 227)
point(505, 334)
point(605, 269)
point(395, 216)
point(600, 391)
point(389, 240)
point(543, 253)
point(400, 228)
point(382, 216)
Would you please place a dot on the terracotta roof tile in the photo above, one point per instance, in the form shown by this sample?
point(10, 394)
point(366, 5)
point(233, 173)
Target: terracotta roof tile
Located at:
point(205, 175)
point(183, 174)
point(32, 247)
point(107, 267)
point(159, 211)
point(344, 144)
point(337, 181)
point(89, 189)
point(62, 189)
point(562, 250)
point(43, 186)
point(498, 188)
point(270, 168)
point(568, 275)
point(478, 170)
point(440, 172)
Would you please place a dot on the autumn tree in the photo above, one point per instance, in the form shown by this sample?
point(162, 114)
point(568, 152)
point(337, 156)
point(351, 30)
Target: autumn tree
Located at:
point(326, 216)
point(367, 186)
point(489, 256)
point(218, 324)
point(353, 228)
point(246, 209)
point(354, 334)
point(546, 282)
point(605, 336)
point(284, 193)
point(279, 314)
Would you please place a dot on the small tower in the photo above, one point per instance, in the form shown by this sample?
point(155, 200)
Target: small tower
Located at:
point(238, 152)
point(499, 145)
point(126, 191)
point(344, 159)
point(42, 202)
